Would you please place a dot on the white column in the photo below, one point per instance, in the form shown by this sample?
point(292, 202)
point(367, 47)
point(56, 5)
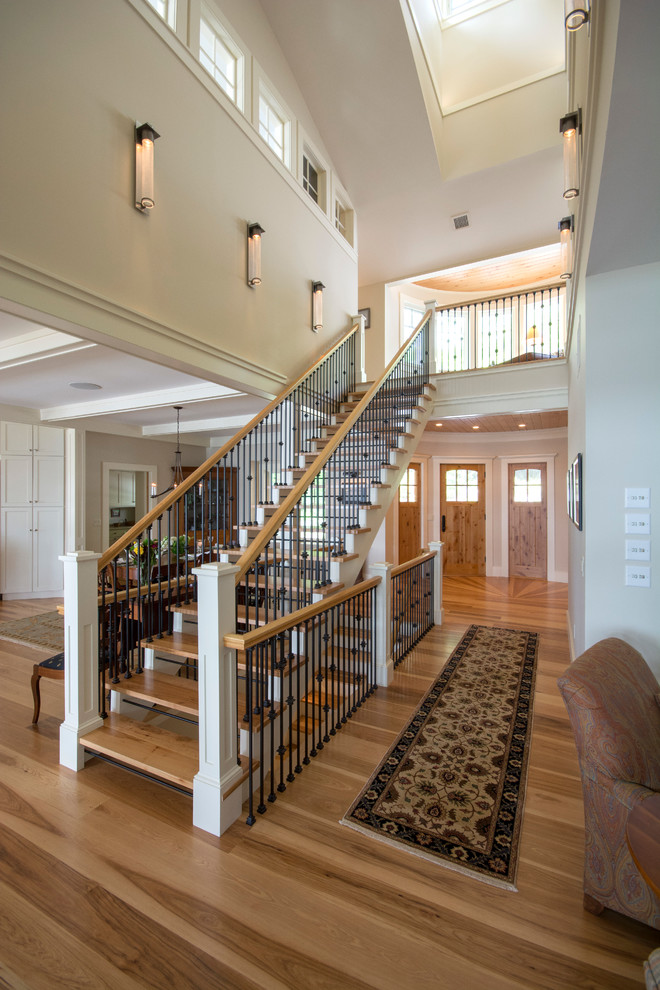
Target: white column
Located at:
point(433, 333)
point(213, 810)
point(81, 655)
point(361, 350)
point(437, 582)
point(383, 619)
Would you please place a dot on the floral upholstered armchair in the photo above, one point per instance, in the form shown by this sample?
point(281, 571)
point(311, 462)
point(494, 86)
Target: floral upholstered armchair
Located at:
point(613, 702)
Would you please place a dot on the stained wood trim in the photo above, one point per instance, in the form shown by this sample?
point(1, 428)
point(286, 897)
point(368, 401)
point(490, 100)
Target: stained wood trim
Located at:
point(276, 520)
point(246, 641)
point(211, 461)
point(400, 568)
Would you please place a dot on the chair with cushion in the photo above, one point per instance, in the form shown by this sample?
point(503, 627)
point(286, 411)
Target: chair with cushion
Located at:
point(612, 700)
point(53, 667)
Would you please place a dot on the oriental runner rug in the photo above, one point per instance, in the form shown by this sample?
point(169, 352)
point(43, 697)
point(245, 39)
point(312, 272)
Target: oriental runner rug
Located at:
point(451, 788)
point(44, 631)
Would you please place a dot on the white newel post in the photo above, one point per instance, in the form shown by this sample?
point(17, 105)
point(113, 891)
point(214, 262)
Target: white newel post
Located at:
point(384, 662)
point(433, 332)
point(213, 810)
point(361, 350)
point(437, 581)
point(81, 655)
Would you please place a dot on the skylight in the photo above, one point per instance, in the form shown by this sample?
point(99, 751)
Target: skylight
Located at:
point(452, 12)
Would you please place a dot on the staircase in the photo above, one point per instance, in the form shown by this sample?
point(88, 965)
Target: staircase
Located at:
point(298, 537)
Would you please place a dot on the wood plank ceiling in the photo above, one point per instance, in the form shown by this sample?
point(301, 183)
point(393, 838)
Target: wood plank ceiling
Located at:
point(503, 423)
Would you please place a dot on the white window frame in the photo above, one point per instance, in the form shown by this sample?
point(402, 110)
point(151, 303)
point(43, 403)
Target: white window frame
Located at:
point(465, 9)
point(307, 150)
point(340, 201)
point(263, 91)
point(228, 40)
point(408, 304)
point(169, 17)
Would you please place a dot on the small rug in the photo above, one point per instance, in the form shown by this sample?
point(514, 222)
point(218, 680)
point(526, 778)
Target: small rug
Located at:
point(44, 631)
point(451, 788)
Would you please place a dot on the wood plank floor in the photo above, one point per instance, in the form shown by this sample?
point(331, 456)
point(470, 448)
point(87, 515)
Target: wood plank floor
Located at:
point(104, 883)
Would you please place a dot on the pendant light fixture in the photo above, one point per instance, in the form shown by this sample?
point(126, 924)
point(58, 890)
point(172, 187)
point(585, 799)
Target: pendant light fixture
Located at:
point(317, 306)
point(254, 232)
point(570, 128)
point(566, 246)
point(177, 470)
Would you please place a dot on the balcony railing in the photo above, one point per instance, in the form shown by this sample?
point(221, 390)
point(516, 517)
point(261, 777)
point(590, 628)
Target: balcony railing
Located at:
point(507, 330)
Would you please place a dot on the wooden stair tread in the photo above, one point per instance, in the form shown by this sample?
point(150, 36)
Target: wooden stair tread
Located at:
point(155, 687)
point(147, 748)
point(178, 644)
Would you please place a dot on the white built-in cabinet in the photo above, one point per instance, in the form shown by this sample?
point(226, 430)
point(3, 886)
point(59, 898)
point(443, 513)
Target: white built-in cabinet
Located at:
point(31, 508)
point(121, 489)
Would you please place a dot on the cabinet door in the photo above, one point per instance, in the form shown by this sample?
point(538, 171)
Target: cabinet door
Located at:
point(113, 489)
point(48, 480)
point(48, 440)
point(16, 480)
point(126, 488)
point(15, 438)
point(47, 545)
point(16, 555)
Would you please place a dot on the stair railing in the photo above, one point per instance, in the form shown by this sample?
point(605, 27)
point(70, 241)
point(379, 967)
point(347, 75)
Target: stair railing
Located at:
point(413, 601)
point(291, 558)
point(150, 569)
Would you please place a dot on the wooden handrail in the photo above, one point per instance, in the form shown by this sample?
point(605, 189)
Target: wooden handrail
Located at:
point(198, 474)
point(275, 521)
point(400, 568)
point(245, 641)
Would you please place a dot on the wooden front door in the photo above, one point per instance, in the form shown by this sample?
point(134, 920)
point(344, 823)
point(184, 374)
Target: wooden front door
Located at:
point(463, 513)
point(528, 535)
point(410, 523)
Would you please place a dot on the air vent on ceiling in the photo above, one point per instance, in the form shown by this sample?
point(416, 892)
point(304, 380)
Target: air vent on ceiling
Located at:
point(462, 220)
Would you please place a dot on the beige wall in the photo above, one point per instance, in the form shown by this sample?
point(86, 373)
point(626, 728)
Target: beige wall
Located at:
point(74, 247)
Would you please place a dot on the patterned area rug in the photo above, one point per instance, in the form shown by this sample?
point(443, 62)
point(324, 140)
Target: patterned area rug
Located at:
point(44, 631)
point(451, 788)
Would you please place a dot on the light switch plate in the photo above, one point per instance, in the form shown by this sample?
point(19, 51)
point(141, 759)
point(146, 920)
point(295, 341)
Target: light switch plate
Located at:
point(638, 577)
point(638, 498)
point(638, 550)
point(638, 523)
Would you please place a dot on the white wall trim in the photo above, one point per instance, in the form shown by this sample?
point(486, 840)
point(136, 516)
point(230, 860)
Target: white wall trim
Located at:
point(436, 533)
point(549, 461)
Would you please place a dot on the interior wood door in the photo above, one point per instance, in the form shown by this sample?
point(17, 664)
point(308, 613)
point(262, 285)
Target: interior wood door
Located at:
point(528, 521)
point(463, 513)
point(410, 515)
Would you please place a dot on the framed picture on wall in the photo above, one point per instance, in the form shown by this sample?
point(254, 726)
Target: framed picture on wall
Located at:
point(574, 492)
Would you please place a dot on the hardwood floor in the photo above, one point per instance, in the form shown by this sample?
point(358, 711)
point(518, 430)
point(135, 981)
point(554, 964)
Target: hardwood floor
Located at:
point(105, 883)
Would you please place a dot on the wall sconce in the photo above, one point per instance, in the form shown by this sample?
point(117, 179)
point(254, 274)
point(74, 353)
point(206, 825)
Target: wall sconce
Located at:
point(254, 233)
point(566, 246)
point(576, 13)
point(145, 136)
point(570, 127)
point(317, 306)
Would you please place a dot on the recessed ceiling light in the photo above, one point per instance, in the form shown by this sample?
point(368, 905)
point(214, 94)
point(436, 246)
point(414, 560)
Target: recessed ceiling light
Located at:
point(438, 424)
point(85, 386)
point(521, 426)
point(475, 427)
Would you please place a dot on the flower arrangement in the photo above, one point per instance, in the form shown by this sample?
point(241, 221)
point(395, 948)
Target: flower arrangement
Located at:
point(144, 552)
point(176, 546)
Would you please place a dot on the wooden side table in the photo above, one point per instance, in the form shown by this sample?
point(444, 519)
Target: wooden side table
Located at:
point(643, 836)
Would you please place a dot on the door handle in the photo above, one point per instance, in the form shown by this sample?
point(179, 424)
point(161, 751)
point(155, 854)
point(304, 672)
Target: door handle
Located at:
point(444, 524)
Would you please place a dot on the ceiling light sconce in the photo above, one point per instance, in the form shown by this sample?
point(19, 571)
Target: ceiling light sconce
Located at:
point(570, 127)
point(576, 13)
point(177, 470)
point(317, 306)
point(145, 136)
point(254, 232)
point(566, 246)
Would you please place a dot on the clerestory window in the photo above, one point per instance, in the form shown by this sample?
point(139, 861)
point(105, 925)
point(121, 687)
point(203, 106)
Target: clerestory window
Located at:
point(222, 59)
point(165, 9)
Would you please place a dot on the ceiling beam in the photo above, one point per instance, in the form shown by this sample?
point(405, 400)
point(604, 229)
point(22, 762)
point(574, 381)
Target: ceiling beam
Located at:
point(204, 392)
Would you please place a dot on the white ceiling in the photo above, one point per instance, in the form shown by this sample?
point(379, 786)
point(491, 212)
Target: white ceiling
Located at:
point(381, 104)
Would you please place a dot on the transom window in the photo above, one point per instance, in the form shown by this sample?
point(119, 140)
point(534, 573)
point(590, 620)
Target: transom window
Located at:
point(527, 485)
point(310, 179)
point(409, 486)
point(273, 125)
point(222, 59)
point(461, 485)
point(165, 9)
